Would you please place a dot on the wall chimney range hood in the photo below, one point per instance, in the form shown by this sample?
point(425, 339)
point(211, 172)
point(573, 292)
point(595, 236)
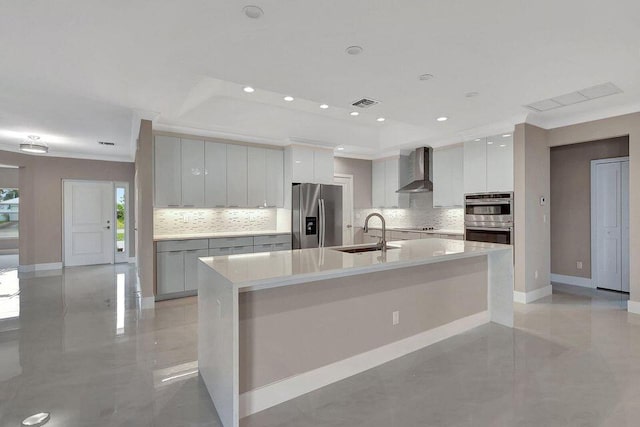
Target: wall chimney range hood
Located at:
point(421, 172)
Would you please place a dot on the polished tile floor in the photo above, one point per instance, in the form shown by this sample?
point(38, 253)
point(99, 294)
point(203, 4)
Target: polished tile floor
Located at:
point(76, 344)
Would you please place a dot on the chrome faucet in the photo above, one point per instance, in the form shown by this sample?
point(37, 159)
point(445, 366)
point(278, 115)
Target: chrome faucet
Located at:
point(382, 244)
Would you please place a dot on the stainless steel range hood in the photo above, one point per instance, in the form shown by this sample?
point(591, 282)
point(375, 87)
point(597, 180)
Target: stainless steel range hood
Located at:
point(421, 172)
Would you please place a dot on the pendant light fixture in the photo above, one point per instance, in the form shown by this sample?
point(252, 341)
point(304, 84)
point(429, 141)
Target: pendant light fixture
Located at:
point(33, 145)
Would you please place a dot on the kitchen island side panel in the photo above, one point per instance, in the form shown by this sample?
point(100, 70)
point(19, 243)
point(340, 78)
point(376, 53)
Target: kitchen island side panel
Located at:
point(291, 330)
point(218, 342)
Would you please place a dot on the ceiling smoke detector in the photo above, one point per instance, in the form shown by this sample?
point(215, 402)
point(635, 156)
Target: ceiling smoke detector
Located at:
point(253, 12)
point(425, 77)
point(354, 50)
point(365, 103)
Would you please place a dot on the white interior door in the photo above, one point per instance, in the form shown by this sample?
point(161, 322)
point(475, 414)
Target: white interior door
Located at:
point(346, 182)
point(608, 206)
point(89, 208)
point(624, 174)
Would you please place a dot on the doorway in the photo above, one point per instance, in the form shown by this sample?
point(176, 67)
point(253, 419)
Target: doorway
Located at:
point(121, 192)
point(346, 182)
point(610, 223)
point(9, 216)
point(90, 222)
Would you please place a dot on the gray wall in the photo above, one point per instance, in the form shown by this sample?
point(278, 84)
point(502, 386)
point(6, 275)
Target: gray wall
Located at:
point(8, 177)
point(571, 202)
point(293, 329)
point(361, 171)
point(40, 183)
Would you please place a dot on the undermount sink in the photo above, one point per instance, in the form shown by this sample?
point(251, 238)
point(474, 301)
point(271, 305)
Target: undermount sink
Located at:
point(362, 248)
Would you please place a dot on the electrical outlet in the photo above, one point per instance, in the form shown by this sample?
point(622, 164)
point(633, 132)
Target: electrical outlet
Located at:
point(579, 265)
point(185, 218)
point(396, 317)
point(535, 275)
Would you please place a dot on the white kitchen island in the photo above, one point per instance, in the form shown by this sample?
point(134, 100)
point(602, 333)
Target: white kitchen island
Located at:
point(273, 326)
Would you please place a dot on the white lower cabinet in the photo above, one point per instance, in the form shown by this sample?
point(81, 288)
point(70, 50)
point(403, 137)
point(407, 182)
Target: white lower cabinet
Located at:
point(177, 260)
point(170, 272)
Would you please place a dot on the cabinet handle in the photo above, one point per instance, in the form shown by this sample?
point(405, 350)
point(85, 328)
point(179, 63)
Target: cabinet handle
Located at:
point(174, 206)
point(233, 206)
point(220, 206)
point(188, 206)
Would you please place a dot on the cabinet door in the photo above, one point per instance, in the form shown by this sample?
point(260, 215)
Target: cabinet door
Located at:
point(302, 168)
point(191, 268)
point(170, 272)
point(167, 172)
point(377, 184)
point(323, 167)
point(215, 180)
point(448, 174)
point(256, 176)
point(275, 178)
point(236, 176)
point(192, 173)
point(391, 183)
point(475, 166)
point(500, 164)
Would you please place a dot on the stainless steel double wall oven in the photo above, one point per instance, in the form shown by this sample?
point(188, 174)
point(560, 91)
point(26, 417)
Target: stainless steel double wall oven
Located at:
point(488, 217)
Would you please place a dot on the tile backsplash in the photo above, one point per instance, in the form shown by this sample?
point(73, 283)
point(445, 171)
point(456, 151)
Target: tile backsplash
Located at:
point(195, 221)
point(421, 213)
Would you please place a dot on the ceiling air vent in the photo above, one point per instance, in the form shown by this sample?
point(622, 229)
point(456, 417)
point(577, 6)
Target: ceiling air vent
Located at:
point(365, 103)
point(106, 143)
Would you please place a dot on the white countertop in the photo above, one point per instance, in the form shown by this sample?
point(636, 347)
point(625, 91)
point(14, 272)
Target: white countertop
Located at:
point(273, 269)
point(449, 231)
point(159, 237)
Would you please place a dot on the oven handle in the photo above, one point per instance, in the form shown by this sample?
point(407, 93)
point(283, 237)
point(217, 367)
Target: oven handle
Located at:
point(487, 202)
point(489, 228)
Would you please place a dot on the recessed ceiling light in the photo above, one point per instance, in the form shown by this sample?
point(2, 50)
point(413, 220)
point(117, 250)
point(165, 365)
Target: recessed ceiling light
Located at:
point(288, 98)
point(425, 77)
point(477, 139)
point(340, 148)
point(489, 142)
point(253, 12)
point(354, 50)
point(354, 113)
point(506, 135)
point(248, 89)
point(471, 94)
point(324, 106)
point(442, 119)
point(503, 145)
point(380, 119)
point(37, 419)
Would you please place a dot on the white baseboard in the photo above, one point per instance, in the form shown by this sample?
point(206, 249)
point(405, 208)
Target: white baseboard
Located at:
point(527, 297)
point(633, 307)
point(39, 267)
point(572, 280)
point(273, 394)
point(131, 260)
point(148, 303)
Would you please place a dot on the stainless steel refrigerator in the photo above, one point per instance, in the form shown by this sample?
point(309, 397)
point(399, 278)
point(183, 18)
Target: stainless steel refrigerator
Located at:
point(316, 216)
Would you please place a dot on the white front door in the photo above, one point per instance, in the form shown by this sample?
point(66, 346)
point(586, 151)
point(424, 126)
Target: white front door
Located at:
point(346, 182)
point(610, 201)
point(89, 208)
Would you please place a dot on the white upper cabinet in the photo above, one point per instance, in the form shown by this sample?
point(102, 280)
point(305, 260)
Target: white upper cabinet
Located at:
point(475, 166)
point(215, 181)
point(237, 176)
point(197, 173)
point(500, 163)
point(310, 165)
point(448, 174)
point(275, 178)
point(257, 172)
point(192, 173)
point(388, 175)
point(377, 184)
point(323, 166)
point(488, 164)
point(167, 172)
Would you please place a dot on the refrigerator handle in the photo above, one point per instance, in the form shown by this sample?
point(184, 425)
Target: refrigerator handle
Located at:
point(321, 206)
point(301, 220)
